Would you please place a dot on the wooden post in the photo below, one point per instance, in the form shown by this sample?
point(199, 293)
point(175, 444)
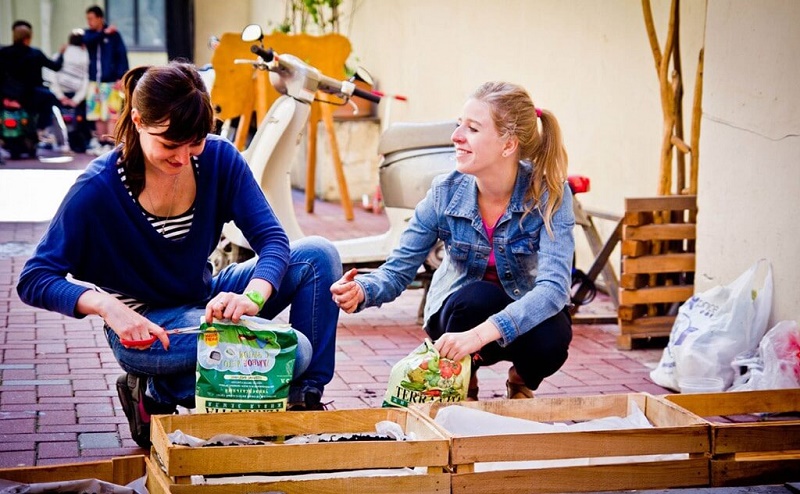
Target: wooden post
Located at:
point(338, 168)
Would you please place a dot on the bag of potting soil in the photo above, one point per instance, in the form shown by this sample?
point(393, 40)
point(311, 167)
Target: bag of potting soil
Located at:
point(424, 376)
point(244, 367)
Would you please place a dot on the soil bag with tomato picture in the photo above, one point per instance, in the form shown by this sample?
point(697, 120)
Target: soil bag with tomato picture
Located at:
point(424, 376)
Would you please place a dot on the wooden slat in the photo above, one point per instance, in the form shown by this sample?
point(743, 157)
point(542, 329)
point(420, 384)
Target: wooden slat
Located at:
point(652, 475)
point(648, 326)
point(662, 203)
point(636, 218)
point(633, 281)
point(634, 248)
point(730, 473)
point(122, 470)
point(756, 437)
point(656, 295)
point(664, 263)
point(630, 312)
point(664, 231)
point(739, 403)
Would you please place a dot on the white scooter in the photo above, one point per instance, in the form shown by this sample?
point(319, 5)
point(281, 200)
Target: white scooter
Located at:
point(412, 155)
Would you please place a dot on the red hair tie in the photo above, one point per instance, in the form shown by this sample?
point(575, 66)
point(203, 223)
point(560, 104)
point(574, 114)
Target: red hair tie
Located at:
point(538, 112)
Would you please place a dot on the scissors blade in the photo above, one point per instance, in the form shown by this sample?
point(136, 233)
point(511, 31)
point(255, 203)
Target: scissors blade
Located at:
point(186, 330)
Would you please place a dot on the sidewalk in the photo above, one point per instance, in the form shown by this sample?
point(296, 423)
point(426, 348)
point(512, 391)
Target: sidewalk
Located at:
point(58, 401)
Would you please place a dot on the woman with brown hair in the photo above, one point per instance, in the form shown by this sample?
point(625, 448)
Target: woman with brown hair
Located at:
point(138, 227)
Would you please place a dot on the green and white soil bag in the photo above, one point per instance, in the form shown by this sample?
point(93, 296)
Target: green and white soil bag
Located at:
point(424, 376)
point(244, 367)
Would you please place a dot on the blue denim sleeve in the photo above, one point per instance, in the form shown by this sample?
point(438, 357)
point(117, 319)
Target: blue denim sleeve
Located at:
point(551, 292)
point(388, 282)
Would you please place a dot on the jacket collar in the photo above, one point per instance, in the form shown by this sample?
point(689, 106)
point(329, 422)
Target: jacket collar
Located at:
point(464, 201)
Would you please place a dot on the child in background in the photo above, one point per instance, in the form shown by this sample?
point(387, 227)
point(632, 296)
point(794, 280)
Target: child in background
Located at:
point(69, 86)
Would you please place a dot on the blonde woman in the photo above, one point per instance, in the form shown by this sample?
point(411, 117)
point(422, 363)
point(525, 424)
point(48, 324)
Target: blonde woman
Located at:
point(505, 217)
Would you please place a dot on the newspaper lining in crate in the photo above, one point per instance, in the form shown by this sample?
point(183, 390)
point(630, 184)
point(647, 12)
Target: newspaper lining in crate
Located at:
point(427, 451)
point(580, 460)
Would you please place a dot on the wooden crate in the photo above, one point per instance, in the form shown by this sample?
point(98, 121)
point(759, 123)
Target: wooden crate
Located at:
point(745, 450)
point(430, 449)
point(120, 471)
point(651, 283)
point(675, 431)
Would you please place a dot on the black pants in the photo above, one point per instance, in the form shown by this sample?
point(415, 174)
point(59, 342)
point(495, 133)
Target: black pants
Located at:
point(536, 354)
point(42, 102)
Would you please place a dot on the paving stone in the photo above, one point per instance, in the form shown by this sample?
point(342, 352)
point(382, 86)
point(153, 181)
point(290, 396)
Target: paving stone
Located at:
point(57, 450)
point(91, 440)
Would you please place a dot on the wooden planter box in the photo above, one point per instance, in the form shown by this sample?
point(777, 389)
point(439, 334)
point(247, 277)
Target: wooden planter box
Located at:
point(746, 450)
point(651, 282)
point(675, 431)
point(429, 449)
point(121, 471)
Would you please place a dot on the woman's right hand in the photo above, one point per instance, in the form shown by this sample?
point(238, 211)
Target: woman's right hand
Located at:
point(128, 324)
point(347, 294)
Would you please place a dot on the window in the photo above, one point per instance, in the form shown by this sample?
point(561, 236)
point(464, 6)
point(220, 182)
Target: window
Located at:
point(140, 22)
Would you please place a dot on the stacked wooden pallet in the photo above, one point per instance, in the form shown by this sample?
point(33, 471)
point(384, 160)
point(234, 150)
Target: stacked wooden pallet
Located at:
point(658, 262)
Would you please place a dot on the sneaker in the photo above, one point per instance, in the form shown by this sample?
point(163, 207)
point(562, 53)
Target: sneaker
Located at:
point(131, 391)
point(312, 401)
point(100, 150)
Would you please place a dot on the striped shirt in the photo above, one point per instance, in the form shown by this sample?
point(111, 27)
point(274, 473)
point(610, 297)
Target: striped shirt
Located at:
point(172, 228)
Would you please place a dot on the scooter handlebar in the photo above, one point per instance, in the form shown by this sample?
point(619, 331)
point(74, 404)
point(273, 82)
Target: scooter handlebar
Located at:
point(366, 95)
point(267, 55)
point(326, 84)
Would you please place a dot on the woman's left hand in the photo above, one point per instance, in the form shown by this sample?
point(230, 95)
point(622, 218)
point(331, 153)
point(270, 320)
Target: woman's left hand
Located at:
point(228, 305)
point(456, 346)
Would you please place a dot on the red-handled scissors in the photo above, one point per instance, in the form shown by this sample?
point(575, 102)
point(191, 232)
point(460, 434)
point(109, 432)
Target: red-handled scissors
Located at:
point(152, 339)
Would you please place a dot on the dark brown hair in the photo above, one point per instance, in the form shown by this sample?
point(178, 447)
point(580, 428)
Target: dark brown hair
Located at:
point(172, 94)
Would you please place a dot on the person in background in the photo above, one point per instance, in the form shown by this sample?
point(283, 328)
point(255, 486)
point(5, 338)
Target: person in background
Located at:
point(108, 61)
point(505, 216)
point(135, 232)
point(21, 76)
point(70, 84)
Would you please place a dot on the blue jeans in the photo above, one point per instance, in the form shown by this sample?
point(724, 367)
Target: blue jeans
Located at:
point(314, 265)
point(536, 354)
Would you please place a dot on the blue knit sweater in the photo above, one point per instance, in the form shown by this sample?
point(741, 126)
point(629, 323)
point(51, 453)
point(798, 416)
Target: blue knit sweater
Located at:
point(100, 236)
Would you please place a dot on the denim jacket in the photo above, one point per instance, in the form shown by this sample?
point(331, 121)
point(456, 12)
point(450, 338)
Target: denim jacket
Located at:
point(534, 268)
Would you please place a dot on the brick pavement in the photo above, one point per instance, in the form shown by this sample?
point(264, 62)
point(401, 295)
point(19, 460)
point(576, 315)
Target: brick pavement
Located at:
point(57, 396)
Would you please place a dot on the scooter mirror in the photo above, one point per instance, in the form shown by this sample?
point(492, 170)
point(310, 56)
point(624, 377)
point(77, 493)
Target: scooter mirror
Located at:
point(364, 76)
point(252, 32)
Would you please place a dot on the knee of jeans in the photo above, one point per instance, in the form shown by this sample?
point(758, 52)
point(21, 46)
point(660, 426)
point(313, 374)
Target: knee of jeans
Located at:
point(321, 252)
point(302, 354)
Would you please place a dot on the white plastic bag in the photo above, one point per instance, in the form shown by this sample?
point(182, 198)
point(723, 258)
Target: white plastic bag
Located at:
point(715, 326)
point(776, 363)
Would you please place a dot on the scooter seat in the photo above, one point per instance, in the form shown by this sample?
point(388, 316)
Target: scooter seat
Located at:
point(404, 136)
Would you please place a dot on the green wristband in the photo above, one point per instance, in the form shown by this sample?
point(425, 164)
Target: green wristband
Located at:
point(256, 298)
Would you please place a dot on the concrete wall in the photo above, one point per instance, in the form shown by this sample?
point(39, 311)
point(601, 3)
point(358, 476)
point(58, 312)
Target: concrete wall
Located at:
point(750, 147)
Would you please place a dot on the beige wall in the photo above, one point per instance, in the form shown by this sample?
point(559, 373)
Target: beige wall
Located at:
point(587, 61)
point(750, 170)
point(591, 64)
point(213, 18)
